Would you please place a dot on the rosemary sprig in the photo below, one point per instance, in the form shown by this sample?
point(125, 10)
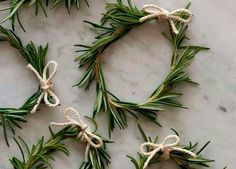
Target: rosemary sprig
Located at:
point(11, 117)
point(116, 22)
point(16, 5)
point(40, 154)
point(182, 159)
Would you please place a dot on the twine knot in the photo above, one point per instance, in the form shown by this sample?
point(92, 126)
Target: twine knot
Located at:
point(46, 85)
point(81, 135)
point(162, 14)
point(85, 135)
point(164, 147)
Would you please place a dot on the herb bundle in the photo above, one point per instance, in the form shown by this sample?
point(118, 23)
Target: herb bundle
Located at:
point(183, 160)
point(16, 5)
point(12, 117)
point(40, 154)
point(116, 22)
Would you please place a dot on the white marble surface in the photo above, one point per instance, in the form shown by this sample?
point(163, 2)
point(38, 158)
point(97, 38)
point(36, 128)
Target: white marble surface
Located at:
point(133, 67)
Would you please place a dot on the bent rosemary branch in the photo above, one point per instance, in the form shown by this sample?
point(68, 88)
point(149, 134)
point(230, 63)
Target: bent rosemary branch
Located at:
point(116, 22)
point(11, 117)
point(16, 5)
point(183, 160)
point(41, 153)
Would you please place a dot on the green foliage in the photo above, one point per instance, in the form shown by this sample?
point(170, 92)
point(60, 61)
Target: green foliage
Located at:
point(116, 22)
point(11, 117)
point(98, 159)
point(184, 161)
point(16, 5)
point(40, 154)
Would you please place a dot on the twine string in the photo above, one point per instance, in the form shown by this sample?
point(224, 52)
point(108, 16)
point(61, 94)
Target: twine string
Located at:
point(162, 14)
point(165, 147)
point(85, 135)
point(46, 85)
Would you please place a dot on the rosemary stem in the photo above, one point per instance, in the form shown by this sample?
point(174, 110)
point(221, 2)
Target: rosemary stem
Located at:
point(174, 57)
point(156, 95)
point(113, 103)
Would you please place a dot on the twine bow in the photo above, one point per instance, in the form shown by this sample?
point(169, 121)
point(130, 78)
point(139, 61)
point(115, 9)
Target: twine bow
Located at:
point(163, 15)
point(164, 147)
point(46, 85)
point(85, 135)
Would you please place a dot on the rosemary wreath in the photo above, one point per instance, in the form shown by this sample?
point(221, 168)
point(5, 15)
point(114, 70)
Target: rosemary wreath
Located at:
point(35, 56)
point(16, 5)
point(116, 22)
point(183, 160)
point(41, 153)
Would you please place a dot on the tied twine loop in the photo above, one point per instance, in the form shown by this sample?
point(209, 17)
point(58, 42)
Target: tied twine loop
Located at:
point(162, 14)
point(46, 85)
point(85, 135)
point(164, 147)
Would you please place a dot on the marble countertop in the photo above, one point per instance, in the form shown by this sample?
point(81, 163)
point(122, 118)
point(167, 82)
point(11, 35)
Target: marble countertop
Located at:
point(135, 64)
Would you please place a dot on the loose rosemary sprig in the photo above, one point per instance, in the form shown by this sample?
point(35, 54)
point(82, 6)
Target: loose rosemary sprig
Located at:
point(184, 161)
point(16, 5)
point(11, 117)
point(40, 154)
point(116, 22)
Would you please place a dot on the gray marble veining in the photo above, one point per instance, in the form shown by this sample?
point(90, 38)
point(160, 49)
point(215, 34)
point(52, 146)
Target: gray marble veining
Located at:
point(133, 66)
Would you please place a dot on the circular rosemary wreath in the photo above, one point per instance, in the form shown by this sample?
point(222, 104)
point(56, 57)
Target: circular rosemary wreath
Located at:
point(35, 56)
point(116, 22)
